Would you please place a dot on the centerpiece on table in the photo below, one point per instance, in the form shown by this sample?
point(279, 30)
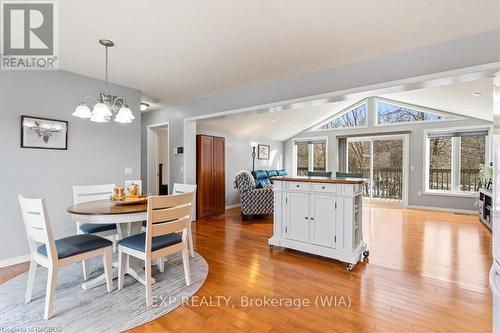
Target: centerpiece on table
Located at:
point(131, 197)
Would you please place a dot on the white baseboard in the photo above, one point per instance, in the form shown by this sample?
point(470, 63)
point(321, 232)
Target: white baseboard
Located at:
point(449, 210)
point(14, 261)
point(233, 206)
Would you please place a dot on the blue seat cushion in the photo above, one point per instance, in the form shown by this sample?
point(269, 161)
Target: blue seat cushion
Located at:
point(138, 242)
point(282, 172)
point(77, 244)
point(89, 228)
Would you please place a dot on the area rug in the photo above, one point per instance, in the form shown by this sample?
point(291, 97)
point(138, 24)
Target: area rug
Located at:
point(95, 310)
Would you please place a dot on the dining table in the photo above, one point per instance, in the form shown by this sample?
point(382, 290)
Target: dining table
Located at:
point(128, 220)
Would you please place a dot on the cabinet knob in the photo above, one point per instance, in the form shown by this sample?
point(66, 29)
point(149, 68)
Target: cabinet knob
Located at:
point(323, 187)
point(307, 218)
point(312, 218)
point(297, 185)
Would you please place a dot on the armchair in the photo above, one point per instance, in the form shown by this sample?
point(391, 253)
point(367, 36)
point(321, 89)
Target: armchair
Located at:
point(254, 201)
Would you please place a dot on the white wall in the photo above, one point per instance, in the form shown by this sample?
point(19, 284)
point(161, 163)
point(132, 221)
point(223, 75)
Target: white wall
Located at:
point(239, 157)
point(97, 153)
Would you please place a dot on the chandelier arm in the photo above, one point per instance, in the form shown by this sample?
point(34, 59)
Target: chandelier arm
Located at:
point(122, 102)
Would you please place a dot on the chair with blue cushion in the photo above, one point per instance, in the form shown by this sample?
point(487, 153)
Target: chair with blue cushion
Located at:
point(319, 173)
point(56, 254)
point(88, 193)
point(167, 230)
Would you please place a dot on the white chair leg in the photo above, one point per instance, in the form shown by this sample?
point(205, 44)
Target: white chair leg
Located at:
point(31, 280)
point(108, 268)
point(147, 277)
point(86, 269)
point(161, 264)
point(190, 240)
point(122, 267)
point(185, 263)
point(51, 292)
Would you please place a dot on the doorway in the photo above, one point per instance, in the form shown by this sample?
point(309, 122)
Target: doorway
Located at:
point(383, 160)
point(158, 138)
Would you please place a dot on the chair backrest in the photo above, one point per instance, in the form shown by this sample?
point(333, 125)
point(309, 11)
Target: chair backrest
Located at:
point(129, 183)
point(319, 173)
point(349, 175)
point(36, 222)
point(168, 214)
point(88, 193)
point(245, 182)
point(186, 188)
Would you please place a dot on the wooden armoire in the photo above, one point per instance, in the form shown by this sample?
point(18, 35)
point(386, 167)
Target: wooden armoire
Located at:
point(210, 175)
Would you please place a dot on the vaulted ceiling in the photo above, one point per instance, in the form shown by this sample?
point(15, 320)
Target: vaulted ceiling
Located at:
point(180, 50)
point(471, 99)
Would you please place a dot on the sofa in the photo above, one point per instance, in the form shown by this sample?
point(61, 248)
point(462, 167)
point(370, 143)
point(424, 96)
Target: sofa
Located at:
point(262, 177)
point(254, 201)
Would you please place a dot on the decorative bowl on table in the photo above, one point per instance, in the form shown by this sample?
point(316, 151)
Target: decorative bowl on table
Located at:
point(129, 199)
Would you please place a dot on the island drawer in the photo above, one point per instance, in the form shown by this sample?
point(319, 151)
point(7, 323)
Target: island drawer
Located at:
point(297, 186)
point(326, 188)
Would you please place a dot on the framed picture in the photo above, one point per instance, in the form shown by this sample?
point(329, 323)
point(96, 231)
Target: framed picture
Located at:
point(44, 133)
point(263, 152)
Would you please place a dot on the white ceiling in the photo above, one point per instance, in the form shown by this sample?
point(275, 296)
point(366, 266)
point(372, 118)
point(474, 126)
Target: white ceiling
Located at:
point(456, 98)
point(180, 50)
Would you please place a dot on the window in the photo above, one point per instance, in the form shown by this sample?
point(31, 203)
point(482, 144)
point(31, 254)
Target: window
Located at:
point(311, 155)
point(454, 160)
point(391, 113)
point(354, 116)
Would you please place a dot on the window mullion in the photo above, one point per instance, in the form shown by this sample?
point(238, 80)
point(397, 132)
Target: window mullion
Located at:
point(310, 157)
point(455, 164)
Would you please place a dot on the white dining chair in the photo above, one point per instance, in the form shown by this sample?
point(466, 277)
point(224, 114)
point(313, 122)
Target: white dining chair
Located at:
point(88, 193)
point(187, 188)
point(168, 219)
point(129, 183)
point(56, 254)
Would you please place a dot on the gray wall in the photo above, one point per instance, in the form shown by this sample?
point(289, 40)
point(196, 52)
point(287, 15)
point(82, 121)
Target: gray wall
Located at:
point(97, 153)
point(415, 154)
point(239, 157)
point(469, 51)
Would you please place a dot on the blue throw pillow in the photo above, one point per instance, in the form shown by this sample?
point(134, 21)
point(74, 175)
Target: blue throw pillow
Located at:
point(282, 172)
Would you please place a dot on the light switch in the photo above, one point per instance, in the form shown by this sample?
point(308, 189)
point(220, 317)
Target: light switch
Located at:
point(412, 168)
point(129, 171)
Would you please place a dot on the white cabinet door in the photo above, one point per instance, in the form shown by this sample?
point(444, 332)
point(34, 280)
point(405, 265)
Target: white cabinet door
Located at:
point(297, 216)
point(323, 216)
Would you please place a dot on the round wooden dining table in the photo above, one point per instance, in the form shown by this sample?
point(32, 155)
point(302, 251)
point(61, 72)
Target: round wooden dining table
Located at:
point(128, 220)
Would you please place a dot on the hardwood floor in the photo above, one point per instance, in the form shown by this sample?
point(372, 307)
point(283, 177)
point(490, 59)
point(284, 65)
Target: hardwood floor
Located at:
point(427, 272)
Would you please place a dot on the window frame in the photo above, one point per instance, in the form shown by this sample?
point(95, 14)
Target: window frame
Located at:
point(317, 128)
point(455, 160)
point(417, 108)
point(310, 162)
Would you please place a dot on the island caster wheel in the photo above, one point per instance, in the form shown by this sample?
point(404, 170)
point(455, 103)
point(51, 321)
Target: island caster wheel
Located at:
point(271, 247)
point(366, 253)
point(350, 267)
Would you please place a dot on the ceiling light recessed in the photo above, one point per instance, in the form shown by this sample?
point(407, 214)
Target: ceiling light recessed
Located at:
point(144, 106)
point(273, 120)
point(477, 94)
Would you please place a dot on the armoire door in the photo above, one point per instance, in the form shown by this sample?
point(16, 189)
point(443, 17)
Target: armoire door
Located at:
point(219, 183)
point(204, 174)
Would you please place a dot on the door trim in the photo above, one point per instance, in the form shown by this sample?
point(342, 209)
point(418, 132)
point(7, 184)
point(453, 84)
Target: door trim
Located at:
point(149, 138)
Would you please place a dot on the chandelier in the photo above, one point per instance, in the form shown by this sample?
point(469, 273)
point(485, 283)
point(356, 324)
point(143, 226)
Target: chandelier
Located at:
point(105, 104)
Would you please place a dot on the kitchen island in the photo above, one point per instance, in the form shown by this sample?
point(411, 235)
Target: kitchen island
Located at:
point(320, 215)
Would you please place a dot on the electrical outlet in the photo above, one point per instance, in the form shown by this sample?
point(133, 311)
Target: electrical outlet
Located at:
point(129, 171)
point(412, 168)
point(419, 193)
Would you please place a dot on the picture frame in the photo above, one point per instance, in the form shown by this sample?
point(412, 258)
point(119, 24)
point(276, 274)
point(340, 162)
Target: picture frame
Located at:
point(44, 133)
point(263, 152)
